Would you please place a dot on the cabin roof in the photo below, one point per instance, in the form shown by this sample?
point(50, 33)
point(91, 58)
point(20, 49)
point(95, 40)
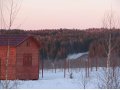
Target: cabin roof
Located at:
point(12, 40)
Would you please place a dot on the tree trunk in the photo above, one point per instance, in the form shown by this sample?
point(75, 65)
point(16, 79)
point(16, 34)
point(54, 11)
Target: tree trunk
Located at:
point(108, 61)
point(42, 67)
point(6, 71)
point(65, 68)
point(86, 69)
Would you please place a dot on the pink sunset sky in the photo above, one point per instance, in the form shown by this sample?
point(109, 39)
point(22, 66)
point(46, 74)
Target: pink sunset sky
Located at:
point(55, 14)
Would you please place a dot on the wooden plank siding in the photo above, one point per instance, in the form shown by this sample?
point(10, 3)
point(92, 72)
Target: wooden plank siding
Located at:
point(27, 72)
point(11, 62)
point(23, 60)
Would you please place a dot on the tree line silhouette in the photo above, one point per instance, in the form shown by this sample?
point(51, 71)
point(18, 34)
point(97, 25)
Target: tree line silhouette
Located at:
point(56, 44)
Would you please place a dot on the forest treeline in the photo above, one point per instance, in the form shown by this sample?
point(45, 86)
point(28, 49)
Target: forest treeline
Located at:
point(56, 44)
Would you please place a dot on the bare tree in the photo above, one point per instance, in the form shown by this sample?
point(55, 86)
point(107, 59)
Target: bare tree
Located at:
point(8, 12)
point(109, 24)
point(2, 21)
point(8, 84)
point(114, 81)
point(84, 80)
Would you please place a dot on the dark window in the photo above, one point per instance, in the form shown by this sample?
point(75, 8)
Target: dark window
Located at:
point(27, 60)
point(28, 43)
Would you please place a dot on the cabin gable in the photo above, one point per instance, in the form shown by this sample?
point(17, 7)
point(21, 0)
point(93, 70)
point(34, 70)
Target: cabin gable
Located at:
point(27, 59)
point(23, 59)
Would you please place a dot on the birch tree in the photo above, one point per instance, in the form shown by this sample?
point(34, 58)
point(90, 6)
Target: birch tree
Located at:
point(8, 12)
point(109, 23)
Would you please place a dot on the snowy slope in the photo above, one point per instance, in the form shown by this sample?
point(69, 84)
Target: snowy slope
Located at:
point(75, 56)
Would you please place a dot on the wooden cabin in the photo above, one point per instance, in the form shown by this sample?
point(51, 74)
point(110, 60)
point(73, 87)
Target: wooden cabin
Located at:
point(21, 52)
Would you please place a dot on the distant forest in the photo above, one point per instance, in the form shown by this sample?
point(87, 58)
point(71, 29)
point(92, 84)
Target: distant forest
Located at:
point(56, 44)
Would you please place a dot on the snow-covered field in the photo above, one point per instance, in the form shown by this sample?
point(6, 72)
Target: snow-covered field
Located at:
point(52, 80)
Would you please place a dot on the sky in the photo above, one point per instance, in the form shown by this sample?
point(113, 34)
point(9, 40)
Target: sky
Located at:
point(55, 14)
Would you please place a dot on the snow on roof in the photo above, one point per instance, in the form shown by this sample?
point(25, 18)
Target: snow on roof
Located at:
point(75, 56)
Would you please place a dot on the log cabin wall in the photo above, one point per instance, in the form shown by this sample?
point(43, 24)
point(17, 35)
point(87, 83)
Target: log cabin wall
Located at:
point(27, 56)
point(11, 63)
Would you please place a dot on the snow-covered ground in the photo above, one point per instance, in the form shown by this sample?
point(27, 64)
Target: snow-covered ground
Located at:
point(52, 80)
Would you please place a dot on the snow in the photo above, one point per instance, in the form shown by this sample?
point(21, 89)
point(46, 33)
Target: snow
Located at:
point(75, 56)
point(52, 80)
